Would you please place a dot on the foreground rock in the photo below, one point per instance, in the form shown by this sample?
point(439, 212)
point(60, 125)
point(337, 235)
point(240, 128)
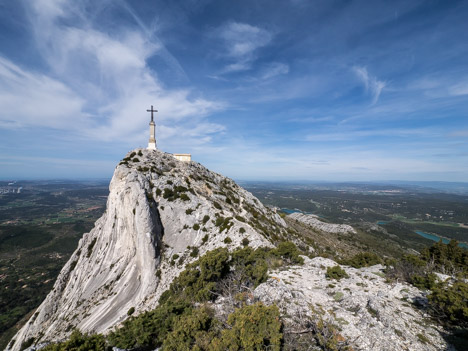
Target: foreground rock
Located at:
point(367, 312)
point(314, 222)
point(161, 214)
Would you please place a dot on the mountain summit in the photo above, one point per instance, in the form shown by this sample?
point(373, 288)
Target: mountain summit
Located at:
point(199, 262)
point(161, 214)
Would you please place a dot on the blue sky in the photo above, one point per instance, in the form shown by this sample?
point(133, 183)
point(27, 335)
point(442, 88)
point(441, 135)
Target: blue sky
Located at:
point(265, 90)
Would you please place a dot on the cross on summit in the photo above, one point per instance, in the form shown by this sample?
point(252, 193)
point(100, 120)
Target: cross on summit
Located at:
point(151, 112)
point(152, 139)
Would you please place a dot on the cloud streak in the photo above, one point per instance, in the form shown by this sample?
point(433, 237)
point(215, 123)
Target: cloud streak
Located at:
point(372, 85)
point(100, 81)
point(241, 41)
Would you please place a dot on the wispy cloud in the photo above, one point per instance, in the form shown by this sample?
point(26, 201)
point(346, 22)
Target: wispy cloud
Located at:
point(274, 69)
point(372, 85)
point(33, 99)
point(459, 89)
point(241, 40)
point(382, 132)
point(98, 79)
point(460, 133)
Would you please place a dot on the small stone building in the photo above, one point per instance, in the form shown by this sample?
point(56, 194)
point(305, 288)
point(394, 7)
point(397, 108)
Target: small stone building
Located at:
point(183, 157)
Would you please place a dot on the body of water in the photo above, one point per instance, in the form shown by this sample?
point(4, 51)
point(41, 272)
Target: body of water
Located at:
point(434, 237)
point(289, 211)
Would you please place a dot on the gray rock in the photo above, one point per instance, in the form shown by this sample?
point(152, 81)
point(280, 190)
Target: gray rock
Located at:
point(370, 313)
point(316, 223)
point(127, 260)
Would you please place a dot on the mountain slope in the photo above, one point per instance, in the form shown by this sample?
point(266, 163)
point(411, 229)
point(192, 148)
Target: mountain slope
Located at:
point(161, 214)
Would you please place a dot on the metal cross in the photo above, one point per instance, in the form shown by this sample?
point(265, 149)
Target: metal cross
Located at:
point(151, 112)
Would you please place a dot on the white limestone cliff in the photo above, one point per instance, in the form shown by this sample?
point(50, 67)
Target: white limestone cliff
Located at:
point(162, 213)
point(127, 260)
point(316, 223)
point(368, 312)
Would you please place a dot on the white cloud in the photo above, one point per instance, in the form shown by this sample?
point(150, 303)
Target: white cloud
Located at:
point(275, 69)
point(459, 89)
point(385, 132)
point(101, 81)
point(372, 85)
point(241, 41)
point(33, 99)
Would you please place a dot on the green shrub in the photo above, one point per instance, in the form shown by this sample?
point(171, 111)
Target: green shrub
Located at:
point(194, 331)
point(149, 329)
point(90, 247)
point(336, 272)
point(131, 311)
point(205, 238)
point(223, 223)
point(175, 193)
point(158, 192)
point(242, 230)
point(451, 301)
point(196, 226)
point(169, 182)
point(254, 327)
point(25, 344)
point(289, 251)
point(136, 160)
point(205, 219)
point(363, 259)
point(426, 281)
point(79, 342)
point(241, 219)
point(194, 252)
point(184, 197)
point(189, 211)
point(227, 240)
point(217, 205)
point(182, 322)
point(245, 241)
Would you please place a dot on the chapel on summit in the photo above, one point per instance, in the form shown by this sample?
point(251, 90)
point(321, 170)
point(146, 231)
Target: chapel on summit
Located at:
point(152, 139)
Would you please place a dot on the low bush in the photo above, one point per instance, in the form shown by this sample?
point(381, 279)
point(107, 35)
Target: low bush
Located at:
point(363, 259)
point(80, 342)
point(451, 301)
point(289, 251)
point(336, 272)
point(183, 321)
point(205, 219)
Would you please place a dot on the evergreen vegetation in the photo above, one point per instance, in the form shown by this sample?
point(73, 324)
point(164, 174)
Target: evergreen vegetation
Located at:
point(363, 259)
point(336, 272)
point(184, 319)
point(448, 299)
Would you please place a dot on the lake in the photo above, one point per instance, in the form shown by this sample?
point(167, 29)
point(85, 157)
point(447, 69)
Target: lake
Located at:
point(434, 237)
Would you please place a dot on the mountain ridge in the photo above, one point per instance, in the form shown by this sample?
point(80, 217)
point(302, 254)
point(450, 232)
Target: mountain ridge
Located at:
point(158, 207)
point(163, 214)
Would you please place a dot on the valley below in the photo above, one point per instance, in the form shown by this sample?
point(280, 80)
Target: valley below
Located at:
point(40, 228)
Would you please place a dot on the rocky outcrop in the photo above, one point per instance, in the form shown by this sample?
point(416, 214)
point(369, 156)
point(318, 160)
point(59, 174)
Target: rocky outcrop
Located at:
point(314, 222)
point(367, 312)
point(161, 214)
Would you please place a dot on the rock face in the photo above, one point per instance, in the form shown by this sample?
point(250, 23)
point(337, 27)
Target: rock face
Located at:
point(368, 312)
point(314, 222)
point(161, 214)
